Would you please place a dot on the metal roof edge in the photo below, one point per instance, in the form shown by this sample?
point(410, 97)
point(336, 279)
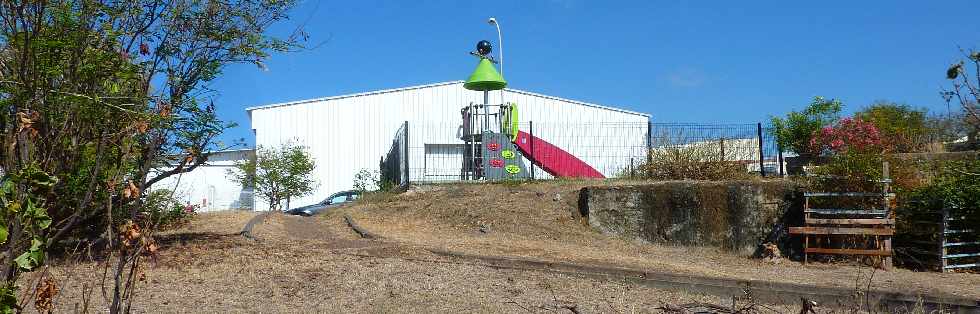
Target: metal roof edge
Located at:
point(230, 150)
point(297, 102)
point(587, 104)
point(250, 109)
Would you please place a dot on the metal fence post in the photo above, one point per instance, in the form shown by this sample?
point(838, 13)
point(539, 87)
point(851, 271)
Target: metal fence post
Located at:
point(408, 176)
point(721, 144)
point(943, 251)
point(782, 171)
point(649, 148)
point(531, 138)
point(632, 169)
point(762, 168)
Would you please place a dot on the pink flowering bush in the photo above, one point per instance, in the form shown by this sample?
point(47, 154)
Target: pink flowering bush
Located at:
point(849, 135)
point(856, 152)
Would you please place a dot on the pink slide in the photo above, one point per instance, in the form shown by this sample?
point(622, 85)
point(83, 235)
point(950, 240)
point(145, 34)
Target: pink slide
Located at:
point(554, 160)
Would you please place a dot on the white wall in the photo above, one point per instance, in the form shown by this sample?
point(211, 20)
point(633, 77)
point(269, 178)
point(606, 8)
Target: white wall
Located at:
point(209, 186)
point(348, 133)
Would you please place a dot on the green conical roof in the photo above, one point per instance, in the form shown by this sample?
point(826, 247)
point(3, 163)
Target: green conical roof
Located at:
point(485, 78)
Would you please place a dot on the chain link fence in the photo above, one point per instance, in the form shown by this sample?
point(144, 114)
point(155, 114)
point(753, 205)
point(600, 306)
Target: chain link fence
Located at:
point(430, 152)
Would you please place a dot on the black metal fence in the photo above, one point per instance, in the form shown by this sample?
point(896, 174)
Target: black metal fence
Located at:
point(394, 165)
point(435, 152)
point(751, 144)
point(934, 234)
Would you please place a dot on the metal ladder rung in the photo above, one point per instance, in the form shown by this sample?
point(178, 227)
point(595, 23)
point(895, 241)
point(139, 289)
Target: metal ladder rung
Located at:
point(961, 255)
point(961, 266)
point(952, 244)
point(958, 231)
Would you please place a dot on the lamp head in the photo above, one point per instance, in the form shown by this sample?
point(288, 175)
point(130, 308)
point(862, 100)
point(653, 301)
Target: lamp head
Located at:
point(492, 21)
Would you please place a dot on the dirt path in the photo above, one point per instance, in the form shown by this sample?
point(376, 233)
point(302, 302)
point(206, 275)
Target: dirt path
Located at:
point(787, 294)
point(317, 264)
point(532, 223)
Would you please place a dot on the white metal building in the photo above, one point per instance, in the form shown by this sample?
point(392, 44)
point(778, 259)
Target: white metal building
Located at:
point(208, 185)
point(351, 132)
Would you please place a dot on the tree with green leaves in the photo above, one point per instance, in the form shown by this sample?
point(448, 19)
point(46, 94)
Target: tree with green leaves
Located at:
point(902, 129)
point(102, 99)
point(277, 174)
point(796, 130)
point(965, 90)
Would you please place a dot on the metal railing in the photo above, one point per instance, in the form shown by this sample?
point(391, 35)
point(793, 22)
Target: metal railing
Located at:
point(437, 152)
point(934, 234)
point(395, 164)
point(751, 144)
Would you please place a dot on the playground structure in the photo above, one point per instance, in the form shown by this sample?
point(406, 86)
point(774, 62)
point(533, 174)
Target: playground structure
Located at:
point(494, 146)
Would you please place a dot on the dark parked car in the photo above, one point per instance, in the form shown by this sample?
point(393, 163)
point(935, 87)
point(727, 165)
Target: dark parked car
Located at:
point(333, 200)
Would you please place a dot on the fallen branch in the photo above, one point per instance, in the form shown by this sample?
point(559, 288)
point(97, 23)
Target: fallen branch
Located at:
point(364, 233)
point(573, 308)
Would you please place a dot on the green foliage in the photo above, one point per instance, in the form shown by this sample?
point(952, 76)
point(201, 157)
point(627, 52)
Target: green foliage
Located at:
point(165, 211)
point(102, 99)
point(26, 207)
point(367, 180)
point(850, 171)
point(277, 174)
point(901, 127)
point(8, 298)
point(957, 187)
point(795, 131)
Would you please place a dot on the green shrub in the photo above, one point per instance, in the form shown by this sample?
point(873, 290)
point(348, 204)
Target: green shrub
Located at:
point(367, 180)
point(795, 131)
point(902, 128)
point(849, 171)
point(957, 186)
point(164, 211)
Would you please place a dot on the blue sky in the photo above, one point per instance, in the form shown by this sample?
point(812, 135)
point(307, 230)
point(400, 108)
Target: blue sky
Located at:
point(680, 61)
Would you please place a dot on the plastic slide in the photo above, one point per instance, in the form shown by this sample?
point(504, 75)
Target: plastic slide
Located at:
point(554, 160)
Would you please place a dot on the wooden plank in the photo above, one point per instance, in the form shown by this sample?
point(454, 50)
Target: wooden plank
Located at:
point(824, 176)
point(848, 251)
point(847, 194)
point(841, 211)
point(843, 221)
point(836, 230)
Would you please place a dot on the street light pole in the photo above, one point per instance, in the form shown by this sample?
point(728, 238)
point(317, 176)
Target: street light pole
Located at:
point(500, 43)
point(500, 52)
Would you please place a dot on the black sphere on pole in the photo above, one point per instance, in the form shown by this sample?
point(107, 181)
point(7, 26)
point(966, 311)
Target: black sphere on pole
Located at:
point(484, 47)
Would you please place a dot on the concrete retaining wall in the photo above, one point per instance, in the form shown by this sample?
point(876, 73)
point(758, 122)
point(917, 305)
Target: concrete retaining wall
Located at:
point(734, 215)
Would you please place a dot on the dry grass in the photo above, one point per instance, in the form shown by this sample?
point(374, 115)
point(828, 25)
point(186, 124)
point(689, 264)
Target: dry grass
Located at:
point(317, 265)
point(528, 220)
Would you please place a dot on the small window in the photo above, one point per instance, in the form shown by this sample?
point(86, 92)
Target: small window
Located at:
point(338, 199)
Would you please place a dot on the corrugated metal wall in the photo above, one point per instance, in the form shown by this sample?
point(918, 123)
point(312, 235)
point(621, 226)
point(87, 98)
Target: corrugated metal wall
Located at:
point(208, 185)
point(348, 133)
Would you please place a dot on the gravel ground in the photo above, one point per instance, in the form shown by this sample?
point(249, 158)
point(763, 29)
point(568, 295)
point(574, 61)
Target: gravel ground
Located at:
point(295, 267)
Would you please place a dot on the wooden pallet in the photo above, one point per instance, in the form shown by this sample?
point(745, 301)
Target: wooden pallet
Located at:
point(874, 225)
